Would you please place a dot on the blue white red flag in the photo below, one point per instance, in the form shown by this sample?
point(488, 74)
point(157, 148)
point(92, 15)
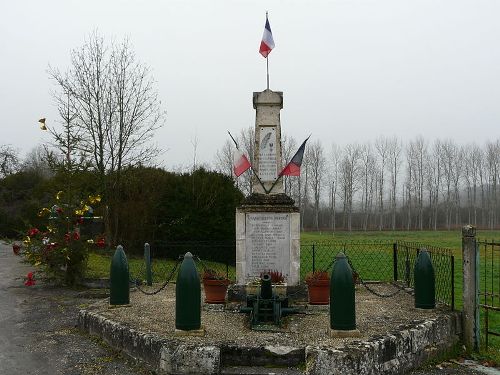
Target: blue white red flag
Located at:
point(240, 162)
point(293, 167)
point(267, 43)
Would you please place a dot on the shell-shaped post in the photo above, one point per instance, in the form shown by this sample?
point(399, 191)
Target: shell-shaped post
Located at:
point(188, 296)
point(425, 281)
point(119, 293)
point(342, 296)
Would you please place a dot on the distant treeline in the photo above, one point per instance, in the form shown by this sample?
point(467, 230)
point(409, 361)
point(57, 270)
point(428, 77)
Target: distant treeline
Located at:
point(388, 184)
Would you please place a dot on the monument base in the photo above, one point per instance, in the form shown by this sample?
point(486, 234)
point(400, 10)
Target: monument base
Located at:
point(267, 238)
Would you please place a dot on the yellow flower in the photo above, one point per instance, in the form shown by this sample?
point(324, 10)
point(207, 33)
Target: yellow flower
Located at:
point(94, 199)
point(43, 211)
point(90, 241)
point(86, 208)
point(79, 212)
point(59, 194)
point(27, 240)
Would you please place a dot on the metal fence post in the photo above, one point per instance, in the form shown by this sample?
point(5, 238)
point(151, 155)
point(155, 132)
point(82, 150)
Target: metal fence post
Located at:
point(147, 262)
point(314, 259)
point(407, 266)
point(452, 282)
point(395, 260)
point(470, 255)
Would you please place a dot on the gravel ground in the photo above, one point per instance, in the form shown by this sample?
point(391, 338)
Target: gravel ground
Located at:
point(375, 316)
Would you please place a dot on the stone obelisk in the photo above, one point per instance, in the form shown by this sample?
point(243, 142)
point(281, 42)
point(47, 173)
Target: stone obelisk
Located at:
point(268, 222)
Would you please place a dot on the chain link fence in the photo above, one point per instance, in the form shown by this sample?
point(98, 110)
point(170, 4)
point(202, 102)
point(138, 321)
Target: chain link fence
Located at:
point(372, 261)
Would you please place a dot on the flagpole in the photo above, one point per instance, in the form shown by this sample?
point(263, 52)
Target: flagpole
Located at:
point(267, 66)
point(267, 60)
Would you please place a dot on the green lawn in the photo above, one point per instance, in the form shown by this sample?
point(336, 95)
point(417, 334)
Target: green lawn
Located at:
point(372, 263)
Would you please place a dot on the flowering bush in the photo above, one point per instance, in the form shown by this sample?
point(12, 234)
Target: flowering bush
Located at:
point(58, 247)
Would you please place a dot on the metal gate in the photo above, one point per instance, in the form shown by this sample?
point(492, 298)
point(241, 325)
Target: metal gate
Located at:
point(489, 287)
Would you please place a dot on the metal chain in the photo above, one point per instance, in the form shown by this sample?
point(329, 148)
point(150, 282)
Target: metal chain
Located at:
point(369, 288)
point(164, 284)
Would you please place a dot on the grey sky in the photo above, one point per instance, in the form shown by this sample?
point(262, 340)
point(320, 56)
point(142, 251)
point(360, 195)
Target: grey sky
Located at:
point(350, 70)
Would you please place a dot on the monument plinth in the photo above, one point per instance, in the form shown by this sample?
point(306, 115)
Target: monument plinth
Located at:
point(268, 222)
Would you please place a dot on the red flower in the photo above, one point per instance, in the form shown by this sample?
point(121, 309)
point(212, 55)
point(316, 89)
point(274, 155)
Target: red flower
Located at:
point(51, 246)
point(16, 248)
point(67, 237)
point(33, 232)
point(59, 210)
point(101, 242)
point(79, 220)
point(30, 279)
point(76, 236)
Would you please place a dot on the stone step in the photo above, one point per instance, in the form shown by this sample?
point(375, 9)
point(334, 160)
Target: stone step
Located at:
point(249, 370)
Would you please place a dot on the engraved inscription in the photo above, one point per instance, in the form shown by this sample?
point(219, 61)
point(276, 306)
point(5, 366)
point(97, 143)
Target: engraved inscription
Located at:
point(268, 166)
point(267, 243)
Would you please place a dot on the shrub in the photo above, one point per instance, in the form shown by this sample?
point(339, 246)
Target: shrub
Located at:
point(58, 246)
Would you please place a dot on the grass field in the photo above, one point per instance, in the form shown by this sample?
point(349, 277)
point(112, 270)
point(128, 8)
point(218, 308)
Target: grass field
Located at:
point(374, 263)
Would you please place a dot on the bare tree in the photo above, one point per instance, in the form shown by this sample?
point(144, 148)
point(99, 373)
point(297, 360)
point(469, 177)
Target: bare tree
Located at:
point(288, 148)
point(349, 177)
point(382, 147)
point(394, 155)
point(368, 179)
point(224, 158)
point(417, 151)
point(115, 106)
point(335, 159)
point(9, 160)
point(115, 109)
point(316, 158)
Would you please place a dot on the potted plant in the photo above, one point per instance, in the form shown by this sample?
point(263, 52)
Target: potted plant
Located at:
point(318, 286)
point(215, 286)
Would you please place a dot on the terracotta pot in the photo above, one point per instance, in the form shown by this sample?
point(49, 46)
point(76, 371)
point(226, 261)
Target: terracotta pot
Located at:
point(319, 292)
point(215, 290)
point(16, 248)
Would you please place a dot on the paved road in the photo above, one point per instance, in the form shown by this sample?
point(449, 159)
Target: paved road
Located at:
point(37, 329)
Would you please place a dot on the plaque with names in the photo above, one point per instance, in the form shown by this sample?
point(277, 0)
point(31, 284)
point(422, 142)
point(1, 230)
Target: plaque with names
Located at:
point(267, 243)
point(268, 165)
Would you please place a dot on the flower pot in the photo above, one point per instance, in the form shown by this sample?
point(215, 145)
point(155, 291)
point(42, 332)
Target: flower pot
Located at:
point(215, 290)
point(319, 292)
point(16, 248)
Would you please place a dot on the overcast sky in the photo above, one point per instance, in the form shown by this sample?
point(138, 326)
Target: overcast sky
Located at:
point(350, 70)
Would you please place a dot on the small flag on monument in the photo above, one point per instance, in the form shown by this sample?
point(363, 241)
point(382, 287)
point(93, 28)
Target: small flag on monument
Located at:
point(267, 43)
point(240, 162)
point(293, 167)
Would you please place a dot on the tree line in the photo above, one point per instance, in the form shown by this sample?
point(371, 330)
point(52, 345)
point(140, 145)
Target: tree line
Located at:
point(387, 184)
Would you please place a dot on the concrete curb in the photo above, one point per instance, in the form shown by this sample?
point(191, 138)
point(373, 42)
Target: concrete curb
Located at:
point(399, 351)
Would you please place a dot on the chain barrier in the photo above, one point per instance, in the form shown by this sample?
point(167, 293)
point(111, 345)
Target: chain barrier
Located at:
point(365, 284)
point(164, 284)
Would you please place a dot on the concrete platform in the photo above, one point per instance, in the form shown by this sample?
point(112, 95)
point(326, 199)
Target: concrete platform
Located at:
point(230, 347)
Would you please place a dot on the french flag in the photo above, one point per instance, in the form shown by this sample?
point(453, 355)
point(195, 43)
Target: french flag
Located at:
point(267, 44)
point(293, 168)
point(240, 163)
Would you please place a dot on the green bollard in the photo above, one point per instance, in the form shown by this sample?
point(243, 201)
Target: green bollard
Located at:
point(188, 296)
point(147, 261)
point(425, 282)
point(342, 298)
point(119, 279)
